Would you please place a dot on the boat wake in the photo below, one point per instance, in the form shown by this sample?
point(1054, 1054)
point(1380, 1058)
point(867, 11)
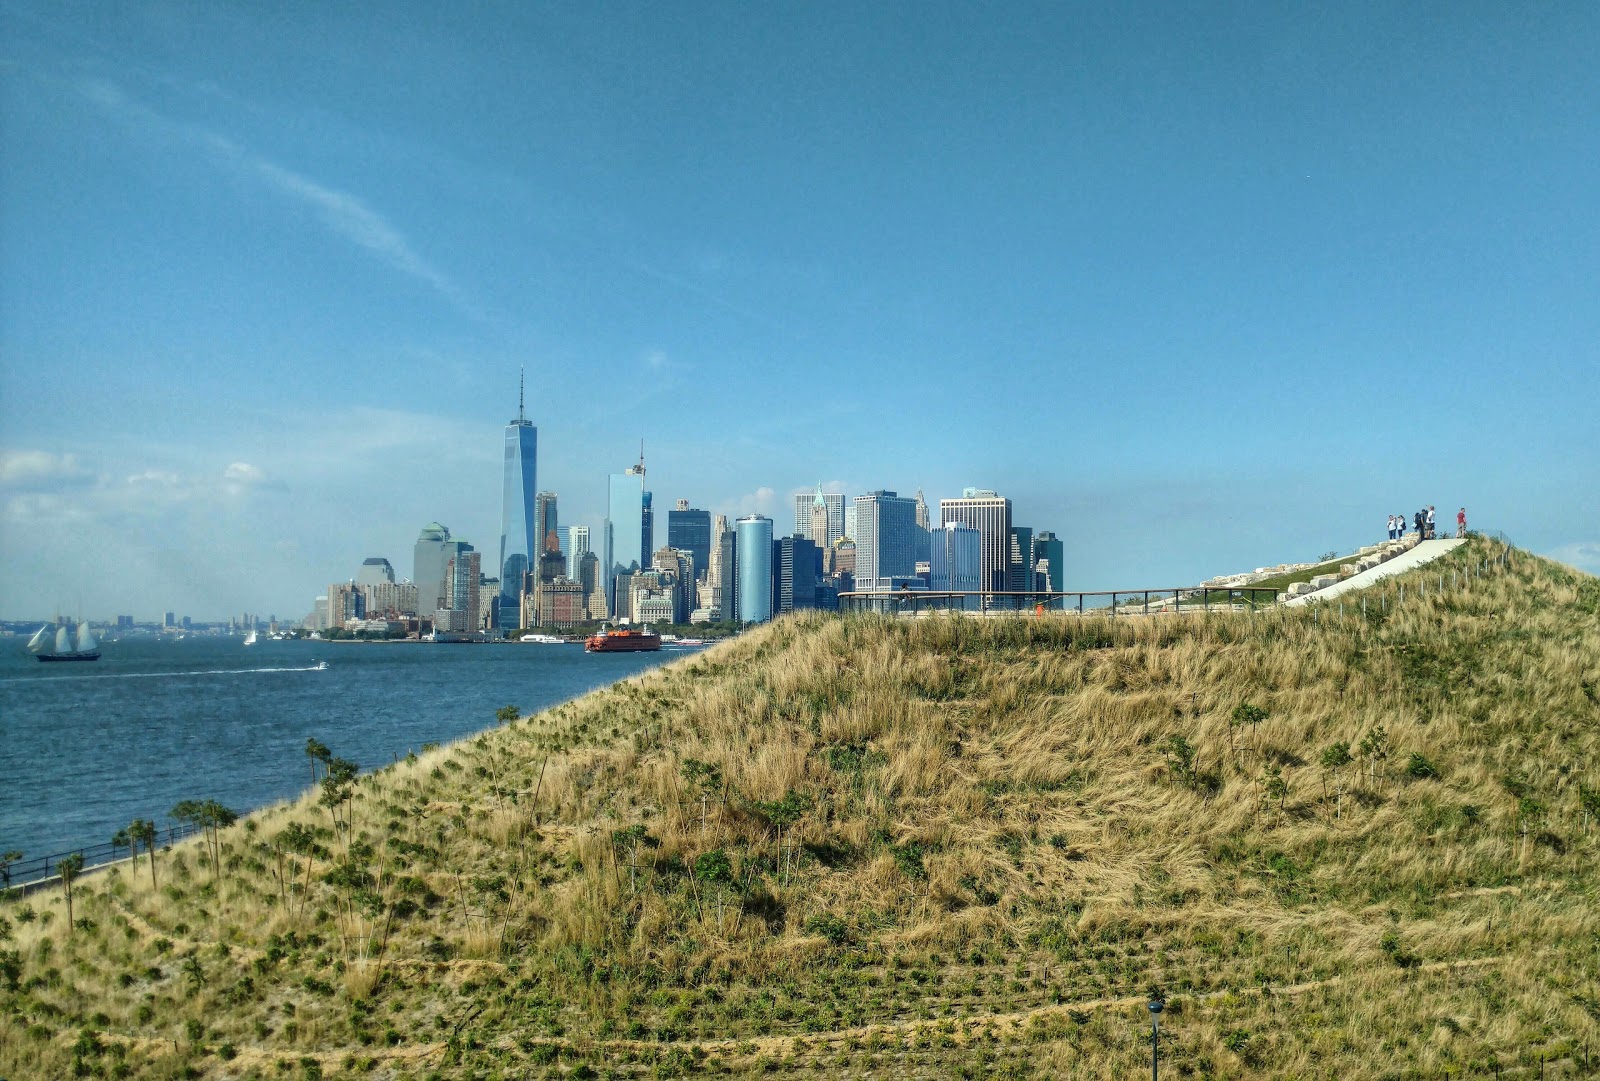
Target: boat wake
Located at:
point(320, 666)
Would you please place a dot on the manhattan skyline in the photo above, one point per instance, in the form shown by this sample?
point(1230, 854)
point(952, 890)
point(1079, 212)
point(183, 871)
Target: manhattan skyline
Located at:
point(1198, 290)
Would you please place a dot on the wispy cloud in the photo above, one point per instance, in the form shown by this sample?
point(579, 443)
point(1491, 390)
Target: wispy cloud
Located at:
point(679, 282)
point(1585, 555)
point(344, 214)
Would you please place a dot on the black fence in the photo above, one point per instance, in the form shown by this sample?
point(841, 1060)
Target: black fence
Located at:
point(1110, 602)
point(34, 869)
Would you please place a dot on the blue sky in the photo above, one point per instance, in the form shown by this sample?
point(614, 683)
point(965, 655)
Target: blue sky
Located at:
point(1201, 288)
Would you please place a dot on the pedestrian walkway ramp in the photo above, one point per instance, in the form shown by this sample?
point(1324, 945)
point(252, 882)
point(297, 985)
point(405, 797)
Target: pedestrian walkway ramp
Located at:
point(1420, 554)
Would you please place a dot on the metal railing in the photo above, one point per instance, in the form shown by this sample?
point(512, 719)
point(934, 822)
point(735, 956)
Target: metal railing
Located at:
point(36, 869)
point(1114, 602)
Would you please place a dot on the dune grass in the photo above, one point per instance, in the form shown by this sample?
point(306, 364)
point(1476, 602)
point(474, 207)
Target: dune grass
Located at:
point(1342, 846)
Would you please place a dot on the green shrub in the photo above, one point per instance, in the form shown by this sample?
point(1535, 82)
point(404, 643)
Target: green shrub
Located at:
point(1418, 767)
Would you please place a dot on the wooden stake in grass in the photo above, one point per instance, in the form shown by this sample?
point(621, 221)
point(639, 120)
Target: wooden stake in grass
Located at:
point(1334, 759)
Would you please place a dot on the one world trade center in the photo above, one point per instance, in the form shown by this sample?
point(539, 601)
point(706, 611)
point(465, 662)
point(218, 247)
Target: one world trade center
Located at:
point(516, 513)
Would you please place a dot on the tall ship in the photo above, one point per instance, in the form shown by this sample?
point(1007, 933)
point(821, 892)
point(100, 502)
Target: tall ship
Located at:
point(61, 644)
point(622, 640)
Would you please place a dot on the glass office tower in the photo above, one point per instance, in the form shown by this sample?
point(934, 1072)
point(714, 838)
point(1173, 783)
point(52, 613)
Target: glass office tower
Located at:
point(518, 541)
point(754, 546)
point(427, 568)
point(624, 529)
point(689, 530)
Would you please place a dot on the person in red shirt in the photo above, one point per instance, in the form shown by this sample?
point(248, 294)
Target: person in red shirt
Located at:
point(1461, 522)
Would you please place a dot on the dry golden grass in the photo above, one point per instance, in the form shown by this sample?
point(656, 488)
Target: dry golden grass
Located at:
point(936, 847)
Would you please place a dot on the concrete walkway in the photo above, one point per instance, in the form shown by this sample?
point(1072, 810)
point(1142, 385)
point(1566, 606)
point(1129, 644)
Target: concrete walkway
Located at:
point(1425, 552)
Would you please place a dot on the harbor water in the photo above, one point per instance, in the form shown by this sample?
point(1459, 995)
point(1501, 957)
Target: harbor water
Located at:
point(85, 748)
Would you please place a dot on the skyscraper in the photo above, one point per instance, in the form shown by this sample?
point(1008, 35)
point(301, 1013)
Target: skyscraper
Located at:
point(374, 569)
point(577, 548)
point(804, 502)
point(796, 562)
point(647, 525)
point(460, 611)
point(678, 566)
point(924, 525)
point(1022, 559)
point(887, 546)
point(725, 574)
point(427, 568)
point(817, 533)
point(990, 515)
point(544, 524)
point(1051, 554)
point(689, 530)
point(621, 551)
point(518, 541)
point(955, 561)
point(754, 558)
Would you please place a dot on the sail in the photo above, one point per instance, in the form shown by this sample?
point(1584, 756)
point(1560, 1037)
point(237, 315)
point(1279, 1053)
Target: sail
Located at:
point(63, 640)
point(40, 640)
point(86, 642)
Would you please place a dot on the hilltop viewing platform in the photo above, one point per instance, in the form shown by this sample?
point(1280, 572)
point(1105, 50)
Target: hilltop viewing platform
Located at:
point(1295, 583)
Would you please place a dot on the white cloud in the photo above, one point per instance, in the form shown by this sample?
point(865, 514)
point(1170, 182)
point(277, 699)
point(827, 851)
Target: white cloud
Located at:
point(25, 469)
point(1584, 555)
point(760, 501)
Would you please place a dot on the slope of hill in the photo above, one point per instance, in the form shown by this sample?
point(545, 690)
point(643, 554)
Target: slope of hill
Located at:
point(1342, 843)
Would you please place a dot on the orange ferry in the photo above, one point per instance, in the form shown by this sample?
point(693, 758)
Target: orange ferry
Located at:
point(622, 640)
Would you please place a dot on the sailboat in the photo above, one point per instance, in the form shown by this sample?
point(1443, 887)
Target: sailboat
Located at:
point(250, 639)
point(62, 646)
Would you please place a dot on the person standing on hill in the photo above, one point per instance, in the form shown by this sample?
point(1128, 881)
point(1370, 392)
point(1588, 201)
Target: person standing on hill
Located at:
point(1416, 520)
point(1391, 527)
point(1431, 534)
point(1461, 522)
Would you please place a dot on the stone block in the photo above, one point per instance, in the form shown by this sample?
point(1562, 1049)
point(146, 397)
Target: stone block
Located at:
point(1322, 581)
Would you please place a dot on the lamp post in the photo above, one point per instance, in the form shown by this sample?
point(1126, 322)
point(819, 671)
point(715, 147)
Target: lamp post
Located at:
point(1156, 1006)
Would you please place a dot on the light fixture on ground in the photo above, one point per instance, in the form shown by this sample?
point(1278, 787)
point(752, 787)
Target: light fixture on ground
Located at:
point(1156, 1006)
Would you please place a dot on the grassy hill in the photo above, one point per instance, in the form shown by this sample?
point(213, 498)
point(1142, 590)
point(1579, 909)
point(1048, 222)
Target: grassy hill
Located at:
point(1342, 845)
